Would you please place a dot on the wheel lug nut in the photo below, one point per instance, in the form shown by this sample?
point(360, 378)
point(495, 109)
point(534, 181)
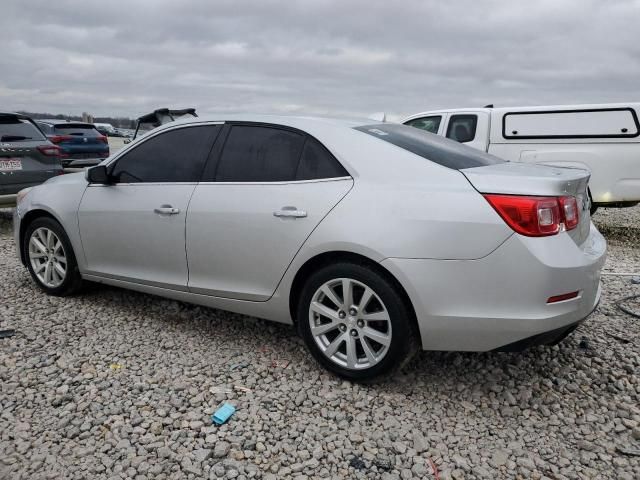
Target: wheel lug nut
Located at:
point(360, 323)
point(342, 327)
point(341, 314)
point(354, 333)
point(352, 311)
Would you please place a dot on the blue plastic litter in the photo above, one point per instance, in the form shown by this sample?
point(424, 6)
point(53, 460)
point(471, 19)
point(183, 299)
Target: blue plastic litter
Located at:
point(223, 413)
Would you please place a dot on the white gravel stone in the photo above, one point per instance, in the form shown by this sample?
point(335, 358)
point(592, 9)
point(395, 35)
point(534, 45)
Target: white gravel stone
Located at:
point(116, 384)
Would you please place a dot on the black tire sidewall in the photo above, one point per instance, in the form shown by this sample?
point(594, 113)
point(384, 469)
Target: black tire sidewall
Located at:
point(402, 337)
point(73, 277)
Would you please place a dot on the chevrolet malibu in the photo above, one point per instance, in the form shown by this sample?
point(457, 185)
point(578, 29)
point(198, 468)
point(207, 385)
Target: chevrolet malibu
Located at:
point(375, 240)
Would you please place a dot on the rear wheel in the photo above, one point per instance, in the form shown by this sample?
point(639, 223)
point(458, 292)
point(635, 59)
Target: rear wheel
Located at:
point(50, 258)
point(355, 322)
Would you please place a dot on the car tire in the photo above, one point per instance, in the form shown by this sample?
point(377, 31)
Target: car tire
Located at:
point(364, 339)
point(50, 258)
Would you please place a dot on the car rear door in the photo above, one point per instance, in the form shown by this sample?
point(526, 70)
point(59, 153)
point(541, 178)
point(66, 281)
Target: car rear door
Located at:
point(134, 228)
point(262, 195)
point(26, 157)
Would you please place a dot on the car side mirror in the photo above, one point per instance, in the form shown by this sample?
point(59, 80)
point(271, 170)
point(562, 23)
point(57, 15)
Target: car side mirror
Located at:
point(98, 174)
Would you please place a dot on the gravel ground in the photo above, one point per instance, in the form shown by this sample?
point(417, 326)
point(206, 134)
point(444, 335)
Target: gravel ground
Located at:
point(116, 384)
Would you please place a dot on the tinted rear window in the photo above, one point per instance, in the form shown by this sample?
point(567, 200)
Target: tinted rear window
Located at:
point(78, 130)
point(435, 148)
point(260, 154)
point(13, 129)
point(317, 162)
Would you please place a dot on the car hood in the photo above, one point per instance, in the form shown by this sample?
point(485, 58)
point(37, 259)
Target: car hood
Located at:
point(69, 178)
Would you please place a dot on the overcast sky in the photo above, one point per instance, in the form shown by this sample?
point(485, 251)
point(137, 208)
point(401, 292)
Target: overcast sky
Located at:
point(327, 57)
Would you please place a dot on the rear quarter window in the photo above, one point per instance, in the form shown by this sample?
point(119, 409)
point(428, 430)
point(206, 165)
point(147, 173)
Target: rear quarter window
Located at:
point(435, 148)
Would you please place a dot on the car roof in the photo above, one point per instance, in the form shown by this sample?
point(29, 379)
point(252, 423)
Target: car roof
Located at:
point(301, 122)
point(15, 115)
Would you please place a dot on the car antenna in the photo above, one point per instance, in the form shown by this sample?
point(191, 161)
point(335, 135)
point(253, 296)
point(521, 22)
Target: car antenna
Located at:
point(488, 106)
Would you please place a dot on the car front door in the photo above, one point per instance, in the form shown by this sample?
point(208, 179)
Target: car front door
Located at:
point(261, 197)
point(134, 227)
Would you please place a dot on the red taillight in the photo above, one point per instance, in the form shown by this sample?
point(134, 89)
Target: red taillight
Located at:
point(49, 150)
point(60, 138)
point(536, 216)
point(570, 214)
point(103, 139)
point(563, 297)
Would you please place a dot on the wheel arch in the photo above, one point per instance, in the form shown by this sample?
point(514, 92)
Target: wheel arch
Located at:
point(28, 218)
point(332, 257)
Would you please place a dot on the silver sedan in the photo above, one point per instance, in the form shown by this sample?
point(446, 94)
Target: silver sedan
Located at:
point(374, 239)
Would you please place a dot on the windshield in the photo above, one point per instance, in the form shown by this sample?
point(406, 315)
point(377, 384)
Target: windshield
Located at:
point(439, 150)
point(14, 129)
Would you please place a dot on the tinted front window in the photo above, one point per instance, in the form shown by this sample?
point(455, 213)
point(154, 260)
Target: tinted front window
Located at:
point(429, 124)
point(462, 128)
point(432, 147)
point(174, 156)
point(317, 162)
point(77, 130)
point(13, 129)
point(259, 154)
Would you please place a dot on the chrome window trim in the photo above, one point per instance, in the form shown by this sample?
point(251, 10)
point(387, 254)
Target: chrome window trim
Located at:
point(282, 182)
point(130, 184)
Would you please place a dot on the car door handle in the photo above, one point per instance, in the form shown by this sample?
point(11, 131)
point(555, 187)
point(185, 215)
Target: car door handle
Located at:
point(167, 210)
point(290, 212)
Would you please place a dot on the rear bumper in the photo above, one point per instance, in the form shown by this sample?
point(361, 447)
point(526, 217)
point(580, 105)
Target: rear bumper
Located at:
point(83, 153)
point(552, 337)
point(501, 299)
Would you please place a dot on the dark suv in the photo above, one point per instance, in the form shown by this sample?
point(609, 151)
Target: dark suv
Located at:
point(77, 140)
point(27, 158)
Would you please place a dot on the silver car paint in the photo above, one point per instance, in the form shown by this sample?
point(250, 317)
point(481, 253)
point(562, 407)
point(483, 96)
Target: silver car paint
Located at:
point(240, 248)
point(425, 223)
point(145, 246)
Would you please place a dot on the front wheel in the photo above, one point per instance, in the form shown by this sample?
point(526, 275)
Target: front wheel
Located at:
point(50, 258)
point(355, 322)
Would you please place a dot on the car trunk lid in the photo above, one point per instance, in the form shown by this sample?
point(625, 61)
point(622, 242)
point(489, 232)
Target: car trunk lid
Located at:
point(512, 178)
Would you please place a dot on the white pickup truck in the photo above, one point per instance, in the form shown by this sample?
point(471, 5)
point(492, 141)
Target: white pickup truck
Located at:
point(605, 139)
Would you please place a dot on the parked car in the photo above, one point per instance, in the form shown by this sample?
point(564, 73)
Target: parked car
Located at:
point(27, 158)
point(161, 116)
point(105, 129)
point(123, 133)
point(602, 138)
point(77, 140)
point(374, 239)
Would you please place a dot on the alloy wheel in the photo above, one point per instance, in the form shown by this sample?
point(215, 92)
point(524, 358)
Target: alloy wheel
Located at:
point(48, 258)
point(350, 323)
